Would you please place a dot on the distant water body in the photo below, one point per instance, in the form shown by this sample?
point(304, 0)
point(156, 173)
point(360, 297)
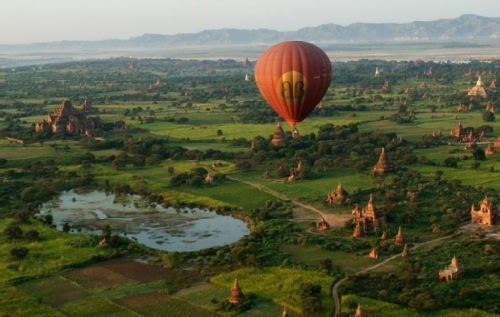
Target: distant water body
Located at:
point(168, 229)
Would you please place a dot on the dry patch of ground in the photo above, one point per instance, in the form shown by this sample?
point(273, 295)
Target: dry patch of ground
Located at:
point(140, 300)
point(53, 291)
point(201, 286)
point(97, 277)
point(137, 271)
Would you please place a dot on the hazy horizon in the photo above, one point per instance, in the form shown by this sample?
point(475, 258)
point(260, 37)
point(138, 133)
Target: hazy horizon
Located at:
point(30, 21)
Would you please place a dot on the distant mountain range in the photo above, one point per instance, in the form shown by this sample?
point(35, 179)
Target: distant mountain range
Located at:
point(464, 27)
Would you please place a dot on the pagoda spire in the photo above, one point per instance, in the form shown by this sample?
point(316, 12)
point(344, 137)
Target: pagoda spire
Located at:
point(406, 251)
point(359, 231)
point(279, 136)
point(400, 240)
point(382, 165)
point(284, 314)
point(359, 312)
point(236, 293)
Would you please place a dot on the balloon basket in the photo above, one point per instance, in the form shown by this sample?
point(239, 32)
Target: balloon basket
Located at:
point(295, 134)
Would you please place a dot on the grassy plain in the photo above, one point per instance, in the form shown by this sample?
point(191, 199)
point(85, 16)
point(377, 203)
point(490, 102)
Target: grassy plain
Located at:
point(116, 293)
point(52, 252)
point(281, 285)
point(378, 308)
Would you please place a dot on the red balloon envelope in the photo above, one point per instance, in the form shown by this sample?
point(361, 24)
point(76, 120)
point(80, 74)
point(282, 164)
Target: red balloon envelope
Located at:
point(293, 77)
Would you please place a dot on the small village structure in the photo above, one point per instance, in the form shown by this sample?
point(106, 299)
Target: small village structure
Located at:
point(452, 272)
point(486, 214)
point(323, 225)
point(338, 196)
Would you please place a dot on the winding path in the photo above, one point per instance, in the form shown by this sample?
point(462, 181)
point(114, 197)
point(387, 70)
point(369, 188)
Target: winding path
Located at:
point(335, 287)
point(330, 218)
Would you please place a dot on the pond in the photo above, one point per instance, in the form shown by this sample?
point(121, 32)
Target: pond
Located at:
point(168, 229)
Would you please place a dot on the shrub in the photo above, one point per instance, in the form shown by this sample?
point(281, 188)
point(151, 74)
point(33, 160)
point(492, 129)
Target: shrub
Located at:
point(243, 165)
point(66, 227)
point(19, 252)
point(13, 231)
point(488, 116)
point(32, 234)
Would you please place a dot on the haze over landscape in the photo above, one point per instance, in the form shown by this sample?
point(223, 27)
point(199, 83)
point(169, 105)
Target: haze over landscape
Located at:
point(29, 21)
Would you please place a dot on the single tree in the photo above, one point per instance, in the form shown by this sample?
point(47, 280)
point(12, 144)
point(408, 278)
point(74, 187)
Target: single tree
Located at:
point(488, 116)
point(479, 154)
point(31, 234)
point(66, 227)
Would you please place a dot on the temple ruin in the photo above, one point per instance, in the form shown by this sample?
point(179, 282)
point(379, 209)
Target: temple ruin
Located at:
point(452, 271)
point(337, 196)
point(284, 314)
point(399, 240)
point(486, 214)
point(368, 217)
point(490, 107)
point(383, 166)
point(279, 136)
point(490, 150)
point(459, 132)
point(480, 89)
point(406, 251)
point(358, 231)
point(359, 312)
point(67, 118)
point(323, 225)
point(387, 87)
point(237, 295)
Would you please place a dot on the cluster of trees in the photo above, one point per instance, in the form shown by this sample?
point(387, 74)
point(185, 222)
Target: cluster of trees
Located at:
point(415, 282)
point(195, 178)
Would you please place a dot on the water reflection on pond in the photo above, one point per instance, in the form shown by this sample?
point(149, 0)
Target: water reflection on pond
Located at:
point(169, 229)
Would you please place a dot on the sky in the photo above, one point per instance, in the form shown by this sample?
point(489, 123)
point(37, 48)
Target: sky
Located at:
point(28, 21)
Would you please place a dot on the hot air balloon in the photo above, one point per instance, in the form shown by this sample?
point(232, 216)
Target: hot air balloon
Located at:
point(293, 78)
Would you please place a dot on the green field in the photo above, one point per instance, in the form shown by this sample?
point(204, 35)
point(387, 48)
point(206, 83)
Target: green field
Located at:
point(377, 308)
point(204, 113)
point(280, 285)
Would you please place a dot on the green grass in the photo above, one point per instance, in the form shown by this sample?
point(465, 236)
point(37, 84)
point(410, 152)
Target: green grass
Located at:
point(316, 188)
point(423, 125)
point(377, 308)
point(50, 254)
point(281, 285)
point(18, 152)
point(13, 302)
point(129, 289)
point(220, 294)
point(51, 290)
point(95, 307)
point(348, 261)
point(232, 193)
point(175, 308)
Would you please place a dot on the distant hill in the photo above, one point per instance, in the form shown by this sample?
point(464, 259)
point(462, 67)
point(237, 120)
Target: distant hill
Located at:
point(463, 27)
